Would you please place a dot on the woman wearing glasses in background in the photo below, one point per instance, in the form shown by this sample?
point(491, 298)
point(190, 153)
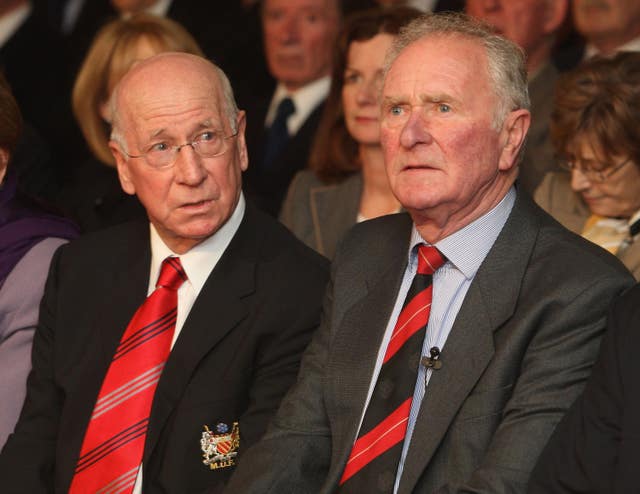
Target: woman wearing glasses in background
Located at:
point(595, 128)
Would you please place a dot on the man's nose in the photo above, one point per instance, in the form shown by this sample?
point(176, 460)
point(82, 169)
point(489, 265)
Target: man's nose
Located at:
point(189, 167)
point(415, 130)
point(290, 32)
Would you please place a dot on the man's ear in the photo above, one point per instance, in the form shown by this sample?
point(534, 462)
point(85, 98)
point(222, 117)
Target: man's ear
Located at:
point(243, 154)
point(122, 164)
point(514, 133)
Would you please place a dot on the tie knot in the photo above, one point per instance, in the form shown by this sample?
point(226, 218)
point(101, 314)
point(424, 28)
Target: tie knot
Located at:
point(285, 109)
point(172, 275)
point(429, 259)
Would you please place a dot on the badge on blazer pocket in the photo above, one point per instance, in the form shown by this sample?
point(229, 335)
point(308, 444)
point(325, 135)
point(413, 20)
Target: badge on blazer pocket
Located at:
point(220, 447)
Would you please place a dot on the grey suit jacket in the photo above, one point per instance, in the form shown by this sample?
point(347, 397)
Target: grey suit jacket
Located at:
point(557, 198)
point(321, 214)
point(518, 354)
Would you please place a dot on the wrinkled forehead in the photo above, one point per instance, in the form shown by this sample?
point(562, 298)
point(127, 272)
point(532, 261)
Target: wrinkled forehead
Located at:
point(440, 58)
point(172, 96)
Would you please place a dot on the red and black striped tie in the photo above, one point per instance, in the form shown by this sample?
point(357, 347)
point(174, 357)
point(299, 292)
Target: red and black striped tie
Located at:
point(114, 441)
point(373, 462)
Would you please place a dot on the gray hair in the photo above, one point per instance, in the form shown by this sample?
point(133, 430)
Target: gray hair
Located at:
point(230, 107)
point(505, 60)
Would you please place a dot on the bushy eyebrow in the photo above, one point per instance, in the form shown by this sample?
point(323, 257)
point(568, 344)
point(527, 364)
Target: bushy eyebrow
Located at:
point(438, 98)
point(205, 124)
point(388, 101)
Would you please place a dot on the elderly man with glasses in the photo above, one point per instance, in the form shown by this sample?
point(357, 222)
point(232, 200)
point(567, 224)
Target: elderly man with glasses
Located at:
point(164, 393)
point(595, 133)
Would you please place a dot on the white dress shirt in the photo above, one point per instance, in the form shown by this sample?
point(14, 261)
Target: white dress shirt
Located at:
point(632, 45)
point(12, 21)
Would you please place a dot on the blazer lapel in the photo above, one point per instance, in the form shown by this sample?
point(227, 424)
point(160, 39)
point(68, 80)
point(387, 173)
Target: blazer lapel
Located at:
point(490, 301)
point(355, 349)
point(229, 283)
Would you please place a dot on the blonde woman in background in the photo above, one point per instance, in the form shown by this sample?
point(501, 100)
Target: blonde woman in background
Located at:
point(94, 197)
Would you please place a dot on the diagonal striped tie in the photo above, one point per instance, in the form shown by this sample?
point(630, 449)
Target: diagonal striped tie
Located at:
point(114, 441)
point(374, 458)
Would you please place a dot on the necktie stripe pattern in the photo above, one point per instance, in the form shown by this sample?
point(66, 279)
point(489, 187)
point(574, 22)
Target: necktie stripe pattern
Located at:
point(120, 439)
point(381, 438)
point(411, 320)
point(123, 393)
point(120, 483)
point(166, 322)
point(114, 440)
point(373, 461)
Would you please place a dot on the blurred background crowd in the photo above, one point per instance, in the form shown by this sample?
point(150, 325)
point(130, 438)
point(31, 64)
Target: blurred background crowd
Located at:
point(287, 61)
point(308, 74)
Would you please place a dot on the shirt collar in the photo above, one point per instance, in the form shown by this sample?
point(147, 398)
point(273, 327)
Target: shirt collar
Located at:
point(481, 234)
point(159, 8)
point(632, 45)
point(305, 100)
point(12, 21)
point(201, 259)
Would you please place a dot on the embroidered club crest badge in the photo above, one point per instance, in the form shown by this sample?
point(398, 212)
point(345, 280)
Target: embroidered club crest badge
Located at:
point(220, 447)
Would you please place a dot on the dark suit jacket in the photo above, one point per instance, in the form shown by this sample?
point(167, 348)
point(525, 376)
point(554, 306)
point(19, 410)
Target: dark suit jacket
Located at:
point(518, 354)
point(237, 354)
point(267, 188)
point(33, 62)
point(595, 448)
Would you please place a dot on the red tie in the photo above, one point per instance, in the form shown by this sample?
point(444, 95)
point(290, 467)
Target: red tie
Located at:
point(112, 449)
point(374, 457)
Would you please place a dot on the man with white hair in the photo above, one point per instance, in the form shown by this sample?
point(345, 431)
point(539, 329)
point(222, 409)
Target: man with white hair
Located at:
point(455, 335)
point(164, 346)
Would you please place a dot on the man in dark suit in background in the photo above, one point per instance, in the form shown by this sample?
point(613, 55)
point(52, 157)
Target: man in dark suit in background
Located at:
point(298, 39)
point(32, 59)
point(246, 294)
point(458, 389)
point(532, 25)
point(608, 26)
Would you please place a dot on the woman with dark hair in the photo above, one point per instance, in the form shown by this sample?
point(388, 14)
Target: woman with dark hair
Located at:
point(347, 181)
point(28, 238)
point(596, 133)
